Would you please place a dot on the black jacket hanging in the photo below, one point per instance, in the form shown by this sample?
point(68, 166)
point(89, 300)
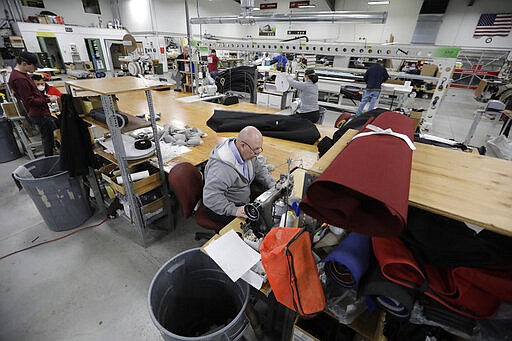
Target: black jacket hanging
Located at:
point(76, 153)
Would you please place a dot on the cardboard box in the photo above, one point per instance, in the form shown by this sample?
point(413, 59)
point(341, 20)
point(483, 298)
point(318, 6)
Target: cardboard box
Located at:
point(395, 81)
point(416, 117)
point(429, 70)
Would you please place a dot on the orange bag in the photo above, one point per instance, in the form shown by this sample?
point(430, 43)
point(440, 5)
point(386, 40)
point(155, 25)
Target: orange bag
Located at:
point(291, 270)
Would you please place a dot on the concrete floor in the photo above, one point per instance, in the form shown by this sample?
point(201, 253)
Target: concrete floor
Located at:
point(93, 285)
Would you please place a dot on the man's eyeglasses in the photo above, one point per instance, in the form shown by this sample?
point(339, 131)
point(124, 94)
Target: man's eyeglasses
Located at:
point(256, 151)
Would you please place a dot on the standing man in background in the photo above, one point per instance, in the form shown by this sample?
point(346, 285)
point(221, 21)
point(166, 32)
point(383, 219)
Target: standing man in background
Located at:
point(280, 60)
point(182, 61)
point(34, 101)
point(374, 77)
point(213, 62)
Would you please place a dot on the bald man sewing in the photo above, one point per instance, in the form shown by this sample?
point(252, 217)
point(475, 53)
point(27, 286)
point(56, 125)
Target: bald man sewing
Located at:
point(232, 168)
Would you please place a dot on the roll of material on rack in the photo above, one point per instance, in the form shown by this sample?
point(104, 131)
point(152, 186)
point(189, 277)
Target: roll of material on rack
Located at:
point(135, 176)
point(281, 82)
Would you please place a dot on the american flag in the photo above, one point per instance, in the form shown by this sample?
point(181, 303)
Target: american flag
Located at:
point(491, 25)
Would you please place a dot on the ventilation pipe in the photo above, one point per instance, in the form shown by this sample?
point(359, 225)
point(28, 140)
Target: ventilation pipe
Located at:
point(340, 16)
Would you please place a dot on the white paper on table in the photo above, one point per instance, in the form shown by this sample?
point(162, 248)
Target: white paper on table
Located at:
point(169, 151)
point(232, 254)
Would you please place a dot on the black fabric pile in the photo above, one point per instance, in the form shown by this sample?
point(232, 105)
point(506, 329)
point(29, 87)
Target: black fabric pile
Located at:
point(278, 126)
point(237, 79)
point(446, 243)
point(354, 123)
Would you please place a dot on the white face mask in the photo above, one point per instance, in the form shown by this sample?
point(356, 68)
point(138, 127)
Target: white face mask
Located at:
point(40, 87)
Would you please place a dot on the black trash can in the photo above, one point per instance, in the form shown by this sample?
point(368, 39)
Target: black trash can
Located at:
point(191, 298)
point(8, 147)
point(59, 198)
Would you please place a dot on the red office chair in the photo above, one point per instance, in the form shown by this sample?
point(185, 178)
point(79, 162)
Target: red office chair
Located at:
point(186, 182)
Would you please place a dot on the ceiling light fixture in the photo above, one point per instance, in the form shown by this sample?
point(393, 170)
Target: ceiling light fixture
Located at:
point(378, 2)
point(307, 6)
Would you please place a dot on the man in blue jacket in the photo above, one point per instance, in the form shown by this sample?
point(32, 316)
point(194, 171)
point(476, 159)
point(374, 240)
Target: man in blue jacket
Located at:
point(374, 77)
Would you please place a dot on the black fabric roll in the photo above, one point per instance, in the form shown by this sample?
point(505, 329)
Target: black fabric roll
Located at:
point(99, 114)
point(278, 126)
point(375, 285)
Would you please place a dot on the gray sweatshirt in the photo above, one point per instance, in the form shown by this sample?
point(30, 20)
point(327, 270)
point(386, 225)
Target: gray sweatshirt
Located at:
point(225, 185)
point(308, 94)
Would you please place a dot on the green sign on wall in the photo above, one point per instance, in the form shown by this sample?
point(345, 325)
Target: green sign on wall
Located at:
point(447, 52)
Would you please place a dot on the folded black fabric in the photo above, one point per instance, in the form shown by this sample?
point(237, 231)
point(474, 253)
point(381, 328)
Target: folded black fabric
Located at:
point(436, 312)
point(399, 330)
point(445, 243)
point(391, 297)
point(278, 126)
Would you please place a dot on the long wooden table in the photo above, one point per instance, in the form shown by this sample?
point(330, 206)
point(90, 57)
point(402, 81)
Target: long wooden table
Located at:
point(459, 185)
point(196, 114)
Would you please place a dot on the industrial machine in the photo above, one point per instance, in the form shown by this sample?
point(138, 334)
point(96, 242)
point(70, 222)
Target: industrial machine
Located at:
point(266, 211)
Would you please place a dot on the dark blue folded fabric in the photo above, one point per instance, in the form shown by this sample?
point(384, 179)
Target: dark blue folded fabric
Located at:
point(351, 258)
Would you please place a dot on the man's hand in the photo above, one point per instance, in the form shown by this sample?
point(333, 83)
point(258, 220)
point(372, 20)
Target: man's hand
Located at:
point(240, 212)
point(53, 98)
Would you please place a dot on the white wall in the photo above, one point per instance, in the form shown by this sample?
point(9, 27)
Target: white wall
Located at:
point(460, 20)
point(73, 12)
point(169, 16)
point(29, 33)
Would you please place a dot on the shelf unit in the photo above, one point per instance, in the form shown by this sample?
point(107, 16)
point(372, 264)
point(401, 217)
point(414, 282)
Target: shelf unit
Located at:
point(107, 88)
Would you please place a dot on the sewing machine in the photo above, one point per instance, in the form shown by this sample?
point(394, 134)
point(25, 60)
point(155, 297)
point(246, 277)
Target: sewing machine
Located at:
point(270, 205)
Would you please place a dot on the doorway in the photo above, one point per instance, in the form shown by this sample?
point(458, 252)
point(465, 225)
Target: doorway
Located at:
point(50, 46)
point(115, 50)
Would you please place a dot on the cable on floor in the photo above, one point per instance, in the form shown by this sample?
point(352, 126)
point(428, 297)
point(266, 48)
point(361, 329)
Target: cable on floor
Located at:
point(53, 240)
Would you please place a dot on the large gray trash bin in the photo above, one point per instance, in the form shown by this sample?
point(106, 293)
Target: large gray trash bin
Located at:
point(8, 147)
point(191, 298)
point(59, 198)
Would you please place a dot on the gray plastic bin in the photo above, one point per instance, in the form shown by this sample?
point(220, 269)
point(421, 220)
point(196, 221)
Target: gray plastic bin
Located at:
point(191, 298)
point(59, 198)
point(8, 147)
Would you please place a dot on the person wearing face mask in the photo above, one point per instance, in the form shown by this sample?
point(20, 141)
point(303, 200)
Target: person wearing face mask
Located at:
point(34, 101)
point(231, 170)
point(308, 95)
point(44, 87)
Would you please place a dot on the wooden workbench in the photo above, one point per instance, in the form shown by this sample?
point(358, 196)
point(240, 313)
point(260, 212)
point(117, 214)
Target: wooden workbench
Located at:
point(196, 114)
point(459, 185)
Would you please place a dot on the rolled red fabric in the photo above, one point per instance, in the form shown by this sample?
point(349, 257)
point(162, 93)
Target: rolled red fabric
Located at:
point(366, 188)
point(468, 291)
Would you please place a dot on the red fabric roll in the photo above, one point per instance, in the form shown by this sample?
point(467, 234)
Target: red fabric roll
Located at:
point(366, 188)
point(468, 291)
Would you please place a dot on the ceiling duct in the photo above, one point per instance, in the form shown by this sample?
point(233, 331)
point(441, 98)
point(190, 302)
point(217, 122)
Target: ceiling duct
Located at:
point(339, 16)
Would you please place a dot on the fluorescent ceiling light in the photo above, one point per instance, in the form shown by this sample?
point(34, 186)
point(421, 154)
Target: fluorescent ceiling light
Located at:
point(378, 2)
point(255, 9)
point(307, 6)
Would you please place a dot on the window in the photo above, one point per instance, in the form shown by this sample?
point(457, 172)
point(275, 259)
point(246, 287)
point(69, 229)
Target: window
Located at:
point(32, 3)
point(91, 6)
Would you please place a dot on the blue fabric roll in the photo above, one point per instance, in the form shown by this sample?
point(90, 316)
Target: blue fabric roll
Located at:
point(352, 255)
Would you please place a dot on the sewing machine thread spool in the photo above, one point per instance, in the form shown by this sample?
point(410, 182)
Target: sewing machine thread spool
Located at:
point(280, 208)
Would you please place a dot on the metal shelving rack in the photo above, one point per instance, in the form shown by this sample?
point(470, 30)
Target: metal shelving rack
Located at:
point(107, 88)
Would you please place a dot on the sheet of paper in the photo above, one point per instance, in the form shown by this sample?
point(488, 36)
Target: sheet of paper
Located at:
point(253, 279)
point(232, 254)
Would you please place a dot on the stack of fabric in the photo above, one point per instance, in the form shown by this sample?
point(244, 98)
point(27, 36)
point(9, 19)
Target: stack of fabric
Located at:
point(421, 267)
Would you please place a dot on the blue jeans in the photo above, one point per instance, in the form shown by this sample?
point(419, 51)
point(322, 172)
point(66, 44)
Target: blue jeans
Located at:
point(372, 96)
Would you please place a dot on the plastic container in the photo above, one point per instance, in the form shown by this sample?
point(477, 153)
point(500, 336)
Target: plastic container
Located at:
point(191, 298)
point(59, 198)
point(8, 147)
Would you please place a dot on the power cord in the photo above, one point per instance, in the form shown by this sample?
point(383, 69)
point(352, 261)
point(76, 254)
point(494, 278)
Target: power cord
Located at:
point(53, 240)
